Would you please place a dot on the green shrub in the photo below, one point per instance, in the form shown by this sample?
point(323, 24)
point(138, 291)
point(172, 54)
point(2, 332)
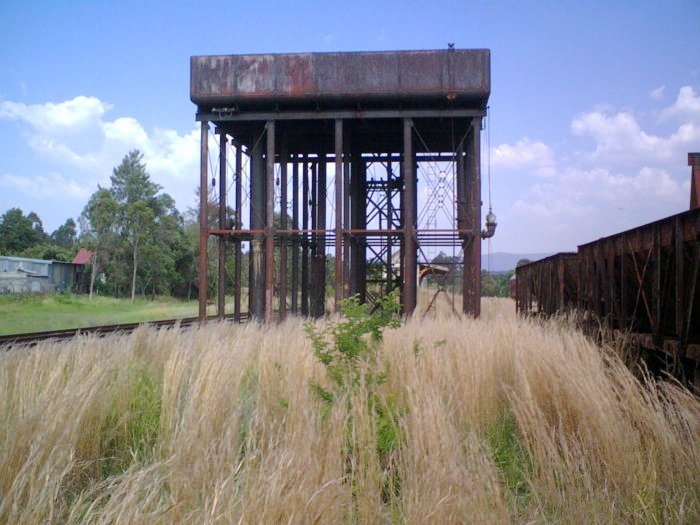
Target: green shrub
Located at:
point(349, 350)
point(344, 346)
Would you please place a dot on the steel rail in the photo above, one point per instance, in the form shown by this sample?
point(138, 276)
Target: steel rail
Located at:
point(33, 338)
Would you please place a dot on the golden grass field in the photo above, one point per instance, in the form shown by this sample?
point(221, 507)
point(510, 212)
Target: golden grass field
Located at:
point(499, 420)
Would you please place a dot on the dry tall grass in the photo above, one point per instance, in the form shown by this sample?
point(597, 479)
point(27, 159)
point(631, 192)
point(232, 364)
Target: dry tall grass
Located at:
point(502, 420)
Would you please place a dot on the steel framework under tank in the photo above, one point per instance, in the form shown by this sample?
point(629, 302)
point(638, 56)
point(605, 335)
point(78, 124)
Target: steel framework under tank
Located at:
point(340, 138)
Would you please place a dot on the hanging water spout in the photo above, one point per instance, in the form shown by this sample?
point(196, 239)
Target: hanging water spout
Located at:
point(490, 225)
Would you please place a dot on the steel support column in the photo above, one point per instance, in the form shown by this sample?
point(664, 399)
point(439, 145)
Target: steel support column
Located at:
point(346, 211)
point(338, 213)
point(221, 283)
point(358, 221)
point(402, 222)
point(284, 239)
point(305, 239)
point(410, 275)
point(471, 276)
point(362, 222)
point(318, 262)
point(238, 225)
point(295, 243)
point(269, 220)
point(256, 280)
point(388, 196)
point(203, 226)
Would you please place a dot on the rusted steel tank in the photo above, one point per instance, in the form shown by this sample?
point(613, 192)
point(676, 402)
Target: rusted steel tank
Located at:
point(449, 77)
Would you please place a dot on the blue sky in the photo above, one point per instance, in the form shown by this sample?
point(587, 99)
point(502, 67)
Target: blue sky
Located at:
point(594, 106)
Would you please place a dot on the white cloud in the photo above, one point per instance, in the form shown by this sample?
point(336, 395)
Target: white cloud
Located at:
point(686, 106)
point(45, 187)
point(76, 137)
point(53, 118)
point(168, 152)
point(658, 93)
point(630, 175)
point(125, 130)
point(523, 155)
point(620, 140)
point(579, 205)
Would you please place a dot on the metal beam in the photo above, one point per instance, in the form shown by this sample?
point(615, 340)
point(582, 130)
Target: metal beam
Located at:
point(295, 243)
point(221, 288)
point(238, 253)
point(338, 213)
point(256, 290)
point(318, 276)
point(269, 220)
point(231, 116)
point(283, 225)
point(305, 239)
point(358, 221)
point(203, 226)
point(410, 275)
point(471, 276)
point(346, 211)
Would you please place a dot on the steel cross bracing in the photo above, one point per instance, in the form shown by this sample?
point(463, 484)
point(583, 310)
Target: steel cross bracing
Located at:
point(372, 248)
point(384, 211)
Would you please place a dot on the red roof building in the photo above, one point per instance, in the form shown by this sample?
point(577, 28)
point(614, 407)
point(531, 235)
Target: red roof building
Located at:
point(83, 256)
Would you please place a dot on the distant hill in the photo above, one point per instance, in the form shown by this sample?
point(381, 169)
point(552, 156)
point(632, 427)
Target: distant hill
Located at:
point(502, 262)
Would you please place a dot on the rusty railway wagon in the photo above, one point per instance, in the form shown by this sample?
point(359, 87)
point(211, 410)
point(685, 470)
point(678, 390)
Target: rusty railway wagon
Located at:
point(548, 286)
point(642, 283)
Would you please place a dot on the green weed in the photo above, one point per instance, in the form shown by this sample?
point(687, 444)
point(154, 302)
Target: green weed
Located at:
point(131, 428)
point(510, 455)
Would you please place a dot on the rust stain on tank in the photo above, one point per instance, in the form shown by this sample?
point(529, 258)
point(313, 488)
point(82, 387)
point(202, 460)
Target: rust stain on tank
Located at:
point(295, 76)
point(255, 76)
point(456, 75)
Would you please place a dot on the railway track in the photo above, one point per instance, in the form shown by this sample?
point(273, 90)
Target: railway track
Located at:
point(33, 338)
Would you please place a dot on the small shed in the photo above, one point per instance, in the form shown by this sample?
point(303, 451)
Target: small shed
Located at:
point(24, 275)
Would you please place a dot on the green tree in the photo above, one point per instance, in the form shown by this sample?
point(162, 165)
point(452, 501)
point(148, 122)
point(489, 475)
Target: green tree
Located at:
point(66, 235)
point(19, 232)
point(496, 284)
point(49, 251)
point(138, 233)
point(98, 229)
point(131, 182)
point(135, 193)
point(37, 226)
point(168, 257)
point(489, 284)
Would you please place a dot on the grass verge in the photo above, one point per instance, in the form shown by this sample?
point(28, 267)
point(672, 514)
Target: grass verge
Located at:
point(35, 313)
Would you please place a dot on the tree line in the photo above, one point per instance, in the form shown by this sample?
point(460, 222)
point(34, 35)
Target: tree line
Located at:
point(140, 242)
point(24, 236)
